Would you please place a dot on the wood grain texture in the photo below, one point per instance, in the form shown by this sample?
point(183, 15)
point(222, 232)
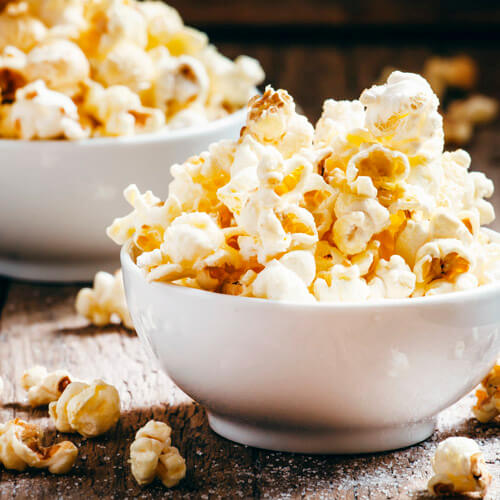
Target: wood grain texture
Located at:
point(38, 325)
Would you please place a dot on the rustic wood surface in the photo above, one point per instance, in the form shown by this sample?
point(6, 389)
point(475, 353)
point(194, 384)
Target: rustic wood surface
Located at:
point(38, 325)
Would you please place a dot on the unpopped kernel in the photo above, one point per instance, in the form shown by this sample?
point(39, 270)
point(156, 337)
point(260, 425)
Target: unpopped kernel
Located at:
point(364, 206)
point(111, 68)
point(21, 447)
point(459, 467)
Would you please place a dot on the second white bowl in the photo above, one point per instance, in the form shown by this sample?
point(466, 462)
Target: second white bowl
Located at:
point(57, 197)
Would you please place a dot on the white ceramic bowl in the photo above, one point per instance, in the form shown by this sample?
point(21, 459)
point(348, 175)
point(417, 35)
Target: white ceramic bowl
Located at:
point(57, 197)
point(321, 378)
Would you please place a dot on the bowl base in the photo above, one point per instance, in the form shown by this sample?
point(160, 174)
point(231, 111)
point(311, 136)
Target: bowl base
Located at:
point(321, 441)
point(55, 271)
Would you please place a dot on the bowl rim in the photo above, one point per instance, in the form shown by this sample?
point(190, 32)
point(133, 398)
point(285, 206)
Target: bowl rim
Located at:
point(450, 299)
point(164, 135)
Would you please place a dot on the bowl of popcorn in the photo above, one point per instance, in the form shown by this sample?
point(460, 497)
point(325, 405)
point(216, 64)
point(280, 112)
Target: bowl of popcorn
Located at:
point(93, 96)
point(322, 289)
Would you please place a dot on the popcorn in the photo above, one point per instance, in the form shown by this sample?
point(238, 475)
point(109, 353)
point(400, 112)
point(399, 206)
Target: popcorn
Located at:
point(151, 455)
point(126, 64)
point(459, 468)
point(20, 447)
point(181, 82)
point(44, 387)
point(20, 30)
point(61, 64)
point(402, 114)
point(463, 115)
point(487, 406)
point(459, 71)
point(364, 206)
point(128, 67)
point(89, 409)
point(12, 65)
point(40, 113)
point(105, 302)
point(119, 111)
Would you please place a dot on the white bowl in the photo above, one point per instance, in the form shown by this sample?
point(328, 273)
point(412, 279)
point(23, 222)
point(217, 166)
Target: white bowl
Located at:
point(57, 197)
point(321, 378)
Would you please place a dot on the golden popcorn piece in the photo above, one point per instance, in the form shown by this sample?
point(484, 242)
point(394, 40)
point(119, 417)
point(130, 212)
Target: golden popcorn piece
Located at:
point(44, 387)
point(105, 302)
point(20, 30)
point(459, 71)
point(89, 409)
point(151, 456)
point(487, 406)
point(459, 467)
point(20, 447)
point(61, 64)
point(463, 115)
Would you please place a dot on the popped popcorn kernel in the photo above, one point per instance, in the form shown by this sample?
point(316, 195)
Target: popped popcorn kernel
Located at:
point(365, 206)
point(459, 467)
point(20, 448)
point(41, 113)
point(487, 406)
point(151, 456)
point(105, 302)
point(12, 67)
point(44, 387)
point(89, 409)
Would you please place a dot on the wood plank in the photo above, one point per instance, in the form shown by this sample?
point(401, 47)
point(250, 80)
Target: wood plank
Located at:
point(338, 13)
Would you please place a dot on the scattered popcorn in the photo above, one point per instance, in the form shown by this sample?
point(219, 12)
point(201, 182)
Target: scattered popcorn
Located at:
point(89, 409)
point(151, 456)
point(105, 303)
point(41, 113)
point(44, 387)
point(111, 68)
point(365, 206)
point(459, 467)
point(459, 71)
point(487, 406)
point(463, 115)
point(21, 447)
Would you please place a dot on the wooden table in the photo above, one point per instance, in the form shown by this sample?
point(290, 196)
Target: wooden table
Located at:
point(38, 325)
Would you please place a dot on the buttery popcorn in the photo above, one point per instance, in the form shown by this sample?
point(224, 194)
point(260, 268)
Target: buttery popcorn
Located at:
point(111, 68)
point(364, 206)
point(459, 467)
point(105, 302)
point(89, 409)
point(44, 387)
point(152, 455)
point(487, 406)
point(20, 447)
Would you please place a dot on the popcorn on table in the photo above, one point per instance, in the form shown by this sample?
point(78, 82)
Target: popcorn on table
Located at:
point(89, 409)
point(44, 387)
point(364, 206)
point(105, 302)
point(21, 447)
point(111, 68)
point(459, 467)
point(487, 406)
point(153, 456)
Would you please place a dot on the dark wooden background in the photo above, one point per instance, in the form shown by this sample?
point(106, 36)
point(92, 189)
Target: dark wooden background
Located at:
point(316, 49)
